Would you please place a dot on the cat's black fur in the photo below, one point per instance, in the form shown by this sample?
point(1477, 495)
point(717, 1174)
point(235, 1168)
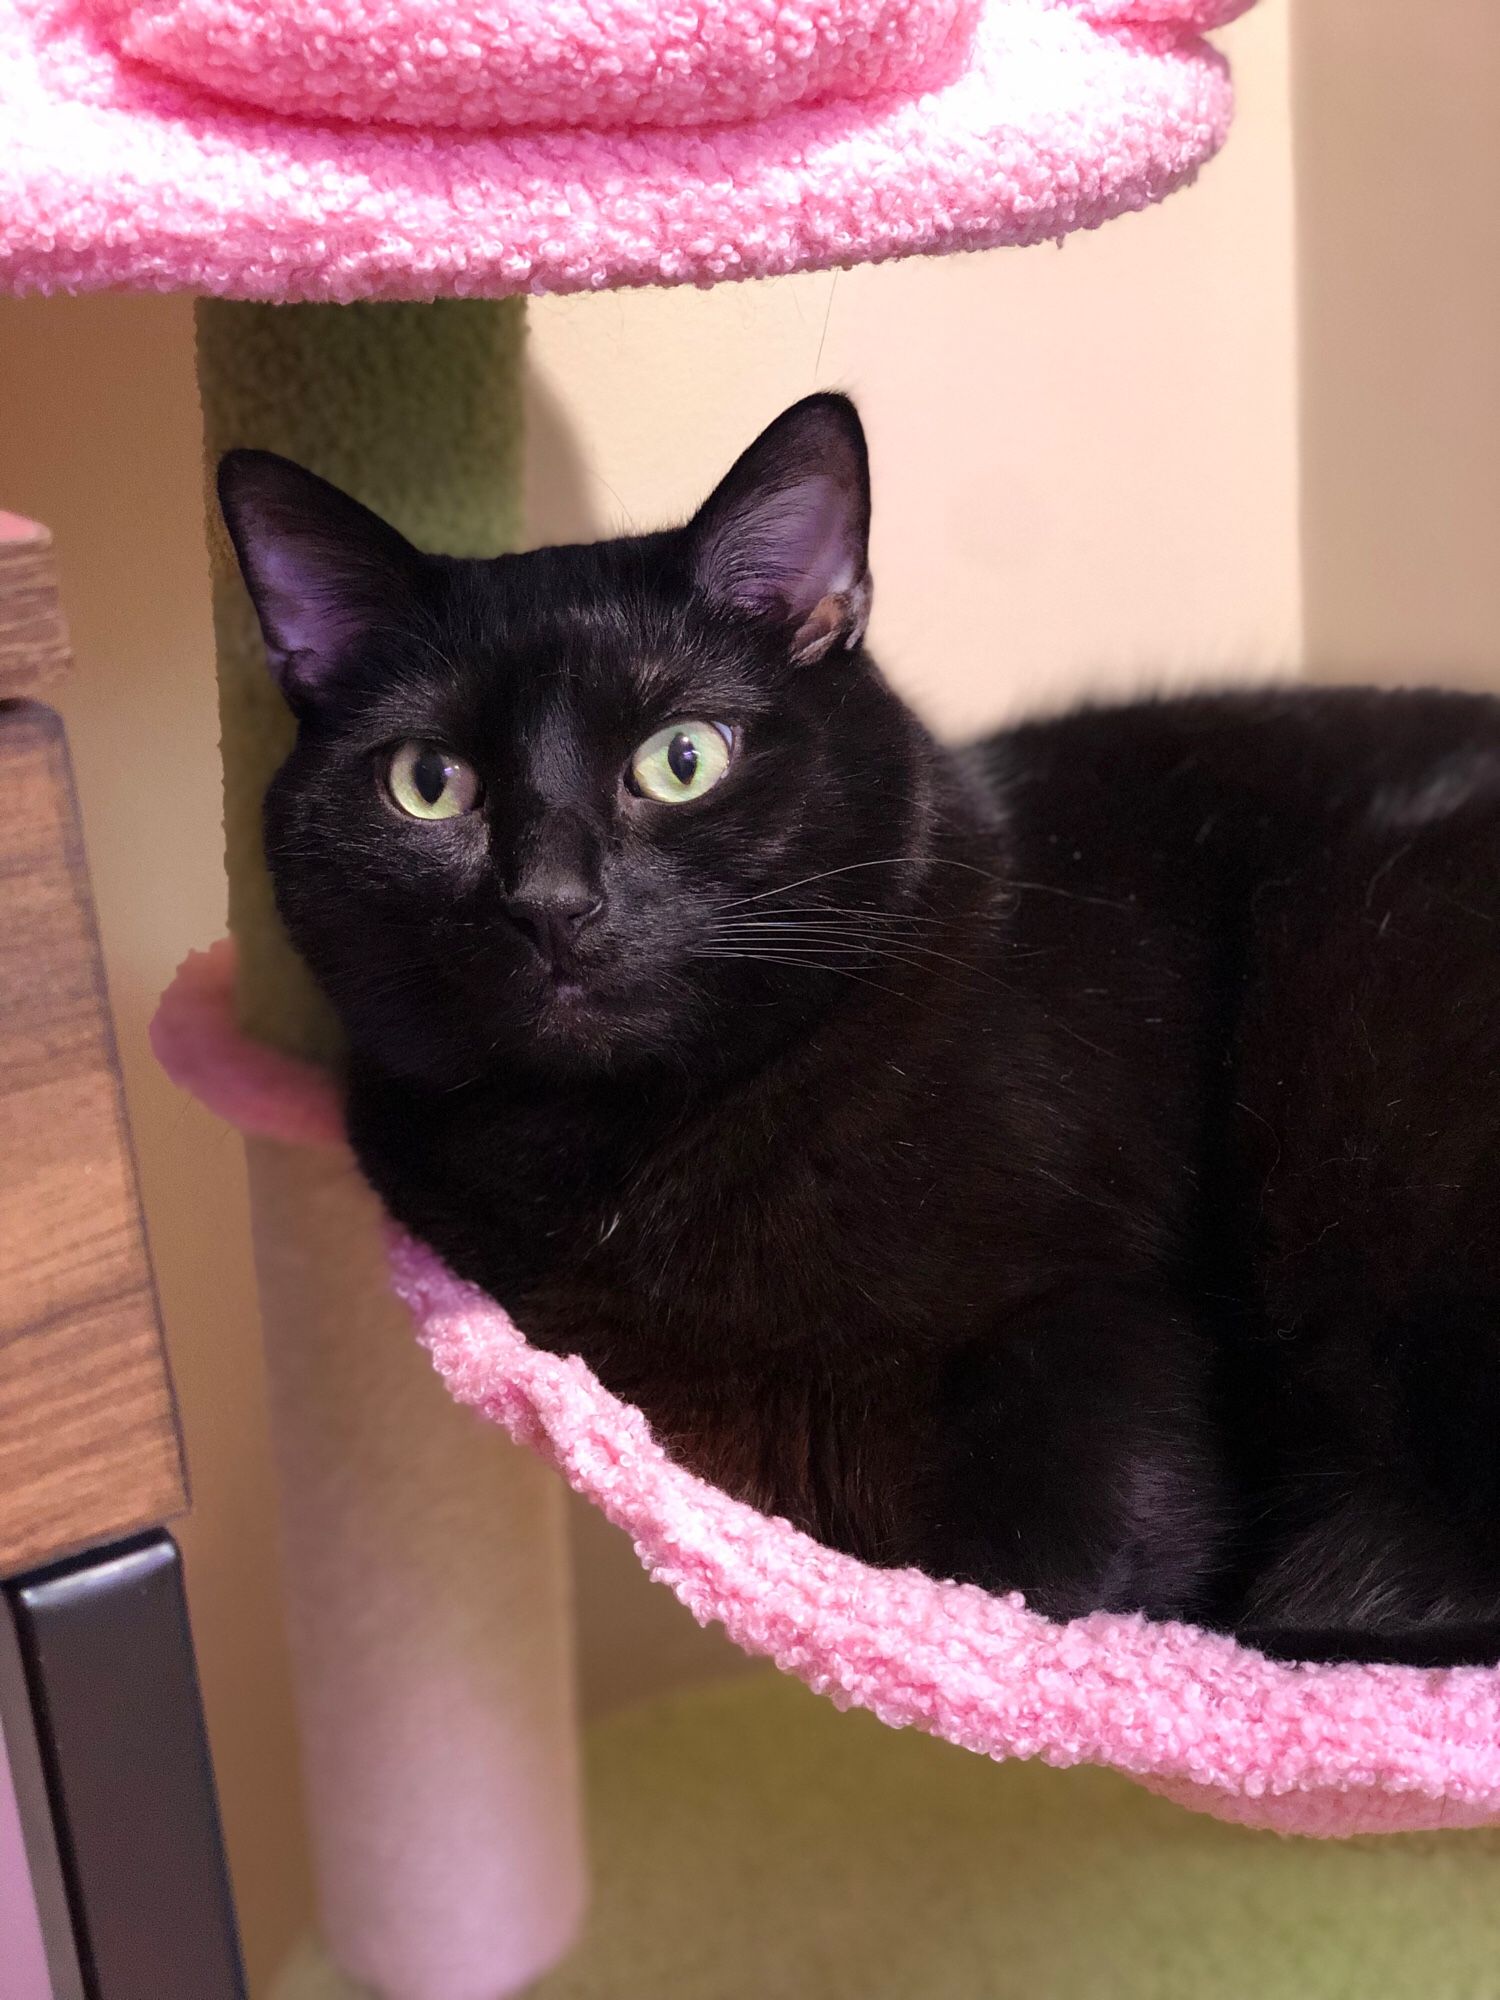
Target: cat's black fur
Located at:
point(1069, 1163)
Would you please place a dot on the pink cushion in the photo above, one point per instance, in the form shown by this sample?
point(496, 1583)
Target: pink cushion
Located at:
point(482, 65)
point(115, 173)
point(1189, 1714)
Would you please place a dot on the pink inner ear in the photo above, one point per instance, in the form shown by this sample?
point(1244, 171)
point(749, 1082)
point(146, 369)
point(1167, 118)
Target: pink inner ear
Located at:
point(785, 550)
point(306, 596)
point(321, 569)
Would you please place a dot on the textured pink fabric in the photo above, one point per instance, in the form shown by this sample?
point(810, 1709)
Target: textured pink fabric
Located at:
point(1314, 1750)
point(494, 63)
point(112, 173)
point(267, 1095)
point(1189, 13)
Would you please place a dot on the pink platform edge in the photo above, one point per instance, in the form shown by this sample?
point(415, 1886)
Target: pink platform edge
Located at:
point(1328, 1751)
point(343, 149)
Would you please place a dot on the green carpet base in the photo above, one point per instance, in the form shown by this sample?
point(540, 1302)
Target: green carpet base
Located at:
point(751, 1843)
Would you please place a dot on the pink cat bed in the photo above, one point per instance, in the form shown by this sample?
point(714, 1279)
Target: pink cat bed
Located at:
point(341, 149)
point(1191, 1715)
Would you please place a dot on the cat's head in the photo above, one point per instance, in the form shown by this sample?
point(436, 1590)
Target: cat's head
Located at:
point(585, 807)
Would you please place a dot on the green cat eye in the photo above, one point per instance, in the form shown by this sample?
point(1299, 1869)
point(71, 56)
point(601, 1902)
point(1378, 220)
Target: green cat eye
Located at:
point(681, 762)
point(428, 782)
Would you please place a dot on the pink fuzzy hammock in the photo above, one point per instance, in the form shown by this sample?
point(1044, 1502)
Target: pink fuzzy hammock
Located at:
point(1328, 1750)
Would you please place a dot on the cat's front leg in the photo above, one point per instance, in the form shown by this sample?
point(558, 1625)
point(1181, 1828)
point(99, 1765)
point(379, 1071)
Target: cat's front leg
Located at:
point(1077, 1461)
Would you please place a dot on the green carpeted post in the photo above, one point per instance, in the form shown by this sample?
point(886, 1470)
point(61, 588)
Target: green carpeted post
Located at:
point(416, 410)
point(424, 1559)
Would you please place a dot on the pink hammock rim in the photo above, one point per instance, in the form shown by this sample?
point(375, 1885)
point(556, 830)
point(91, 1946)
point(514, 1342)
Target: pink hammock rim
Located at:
point(194, 144)
point(1319, 1750)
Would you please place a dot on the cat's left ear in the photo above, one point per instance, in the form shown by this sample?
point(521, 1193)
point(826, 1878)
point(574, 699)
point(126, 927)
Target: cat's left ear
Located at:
point(785, 535)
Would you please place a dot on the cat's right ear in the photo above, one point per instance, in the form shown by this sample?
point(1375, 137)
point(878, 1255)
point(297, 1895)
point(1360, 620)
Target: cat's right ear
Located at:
point(321, 569)
point(784, 537)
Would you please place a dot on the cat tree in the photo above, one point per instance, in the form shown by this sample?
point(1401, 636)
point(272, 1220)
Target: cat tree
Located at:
point(362, 193)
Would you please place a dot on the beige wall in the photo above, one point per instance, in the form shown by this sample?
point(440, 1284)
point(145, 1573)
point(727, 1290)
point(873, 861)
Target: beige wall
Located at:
point(1086, 467)
point(1398, 175)
point(1084, 459)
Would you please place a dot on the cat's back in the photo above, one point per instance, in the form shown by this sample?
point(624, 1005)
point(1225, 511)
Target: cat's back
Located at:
point(1223, 792)
point(1281, 911)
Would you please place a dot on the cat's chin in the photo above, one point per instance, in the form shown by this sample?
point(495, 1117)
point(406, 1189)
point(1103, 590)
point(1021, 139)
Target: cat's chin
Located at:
point(572, 1014)
point(580, 1024)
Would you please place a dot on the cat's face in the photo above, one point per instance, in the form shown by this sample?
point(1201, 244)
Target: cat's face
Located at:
point(584, 808)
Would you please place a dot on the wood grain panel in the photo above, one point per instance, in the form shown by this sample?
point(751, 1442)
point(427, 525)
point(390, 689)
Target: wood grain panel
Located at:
point(88, 1439)
point(33, 637)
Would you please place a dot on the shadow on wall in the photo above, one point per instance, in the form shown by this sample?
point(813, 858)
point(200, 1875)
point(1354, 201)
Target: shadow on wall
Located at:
point(556, 505)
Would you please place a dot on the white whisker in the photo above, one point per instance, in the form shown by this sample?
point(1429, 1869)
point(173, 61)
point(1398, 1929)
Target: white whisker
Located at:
point(848, 868)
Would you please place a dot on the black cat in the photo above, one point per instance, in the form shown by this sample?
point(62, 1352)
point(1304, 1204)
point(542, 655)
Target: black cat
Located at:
point(1069, 1163)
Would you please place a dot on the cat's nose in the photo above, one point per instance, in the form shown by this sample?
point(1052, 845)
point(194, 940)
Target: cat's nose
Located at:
point(551, 920)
